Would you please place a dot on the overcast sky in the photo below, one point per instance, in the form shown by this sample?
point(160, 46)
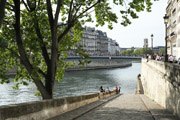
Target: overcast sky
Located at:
point(143, 27)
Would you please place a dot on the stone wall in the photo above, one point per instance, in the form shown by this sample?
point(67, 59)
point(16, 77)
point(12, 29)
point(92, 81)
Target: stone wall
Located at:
point(42, 110)
point(100, 64)
point(161, 82)
point(95, 64)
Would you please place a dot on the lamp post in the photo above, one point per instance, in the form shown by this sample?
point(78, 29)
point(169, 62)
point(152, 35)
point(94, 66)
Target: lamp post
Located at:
point(166, 22)
point(152, 45)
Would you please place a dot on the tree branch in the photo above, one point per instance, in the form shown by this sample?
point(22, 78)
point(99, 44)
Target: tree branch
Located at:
point(2, 10)
point(70, 10)
point(10, 5)
point(42, 73)
point(50, 15)
point(39, 2)
point(87, 10)
point(43, 47)
point(59, 4)
point(77, 10)
point(9, 8)
point(24, 59)
point(26, 5)
point(19, 42)
point(65, 32)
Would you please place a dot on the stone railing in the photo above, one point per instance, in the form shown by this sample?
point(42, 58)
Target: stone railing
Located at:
point(45, 109)
point(161, 82)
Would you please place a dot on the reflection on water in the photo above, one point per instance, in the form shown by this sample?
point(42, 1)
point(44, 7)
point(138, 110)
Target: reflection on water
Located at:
point(77, 83)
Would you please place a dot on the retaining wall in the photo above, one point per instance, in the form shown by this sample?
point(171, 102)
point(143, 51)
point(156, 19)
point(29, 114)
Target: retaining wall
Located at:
point(42, 110)
point(95, 64)
point(100, 64)
point(161, 82)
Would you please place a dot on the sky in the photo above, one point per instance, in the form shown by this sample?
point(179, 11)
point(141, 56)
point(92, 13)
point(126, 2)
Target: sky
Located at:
point(141, 28)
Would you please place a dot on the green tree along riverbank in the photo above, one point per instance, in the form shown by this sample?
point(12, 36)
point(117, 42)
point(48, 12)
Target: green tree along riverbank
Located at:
point(141, 51)
point(38, 45)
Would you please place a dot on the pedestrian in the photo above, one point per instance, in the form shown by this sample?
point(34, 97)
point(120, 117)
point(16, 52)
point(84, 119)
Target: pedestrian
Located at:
point(171, 59)
point(147, 57)
point(178, 61)
point(119, 90)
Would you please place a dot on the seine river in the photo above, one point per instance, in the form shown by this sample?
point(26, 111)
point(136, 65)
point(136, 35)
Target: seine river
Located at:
point(77, 83)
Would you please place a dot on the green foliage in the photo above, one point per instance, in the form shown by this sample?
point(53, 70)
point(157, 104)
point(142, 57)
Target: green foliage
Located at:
point(38, 33)
point(128, 52)
point(141, 51)
point(162, 51)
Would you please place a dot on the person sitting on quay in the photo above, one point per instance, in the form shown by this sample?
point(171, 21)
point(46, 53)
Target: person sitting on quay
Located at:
point(117, 90)
point(101, 89)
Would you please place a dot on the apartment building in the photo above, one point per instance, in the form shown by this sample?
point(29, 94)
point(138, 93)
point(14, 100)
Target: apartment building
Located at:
point(113, 47)
point(173, 28)
point(96, 43)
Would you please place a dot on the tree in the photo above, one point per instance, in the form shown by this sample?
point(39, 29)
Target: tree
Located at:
point(138, 52)
point(2, 9)
point(128, 52)
point(38, 45)
point(162, 51)
point(147, 51)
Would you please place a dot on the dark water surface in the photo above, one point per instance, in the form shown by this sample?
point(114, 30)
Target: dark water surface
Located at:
point(77, 83)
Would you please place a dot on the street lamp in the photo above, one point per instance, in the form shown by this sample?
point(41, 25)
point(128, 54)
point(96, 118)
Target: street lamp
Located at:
point(152, 45)
point(166, 17)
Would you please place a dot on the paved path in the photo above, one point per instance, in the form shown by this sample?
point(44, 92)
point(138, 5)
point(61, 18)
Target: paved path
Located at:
point(123, 107)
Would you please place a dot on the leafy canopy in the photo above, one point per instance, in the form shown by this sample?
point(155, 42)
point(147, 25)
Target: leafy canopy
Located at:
point(45, 24)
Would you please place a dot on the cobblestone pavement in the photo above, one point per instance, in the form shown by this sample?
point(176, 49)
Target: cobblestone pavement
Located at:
point(123, 107)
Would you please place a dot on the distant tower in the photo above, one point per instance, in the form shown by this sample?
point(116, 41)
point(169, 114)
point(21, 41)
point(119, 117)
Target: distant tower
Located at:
point(145, 43)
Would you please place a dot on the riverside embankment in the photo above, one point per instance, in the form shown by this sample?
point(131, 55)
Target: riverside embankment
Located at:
point(161, 83)
point(42, 110)
point(99, 64)
point(96, 63)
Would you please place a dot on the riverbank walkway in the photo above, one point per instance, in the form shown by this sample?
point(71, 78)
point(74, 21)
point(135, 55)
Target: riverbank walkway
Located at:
point(119, 107)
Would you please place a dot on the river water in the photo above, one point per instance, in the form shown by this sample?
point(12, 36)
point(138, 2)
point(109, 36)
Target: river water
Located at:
point(77, 83)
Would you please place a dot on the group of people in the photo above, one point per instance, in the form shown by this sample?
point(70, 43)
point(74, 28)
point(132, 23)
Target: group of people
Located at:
point(117, 89)
point(171, 58)
point(155, 57)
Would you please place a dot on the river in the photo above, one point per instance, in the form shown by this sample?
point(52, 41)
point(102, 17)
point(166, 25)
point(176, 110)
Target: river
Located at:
point(76, 83)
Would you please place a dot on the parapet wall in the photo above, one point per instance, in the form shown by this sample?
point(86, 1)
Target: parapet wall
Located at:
point(161, 82)
point(42, 110)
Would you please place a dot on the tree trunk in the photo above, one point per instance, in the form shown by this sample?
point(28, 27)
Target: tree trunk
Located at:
point(2, 10)
point(49, 87)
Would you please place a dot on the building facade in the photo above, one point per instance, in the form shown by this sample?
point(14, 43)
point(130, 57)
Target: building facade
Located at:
point(145, 43)
point(96, 43)
point(173, 28)
point(113, 47)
